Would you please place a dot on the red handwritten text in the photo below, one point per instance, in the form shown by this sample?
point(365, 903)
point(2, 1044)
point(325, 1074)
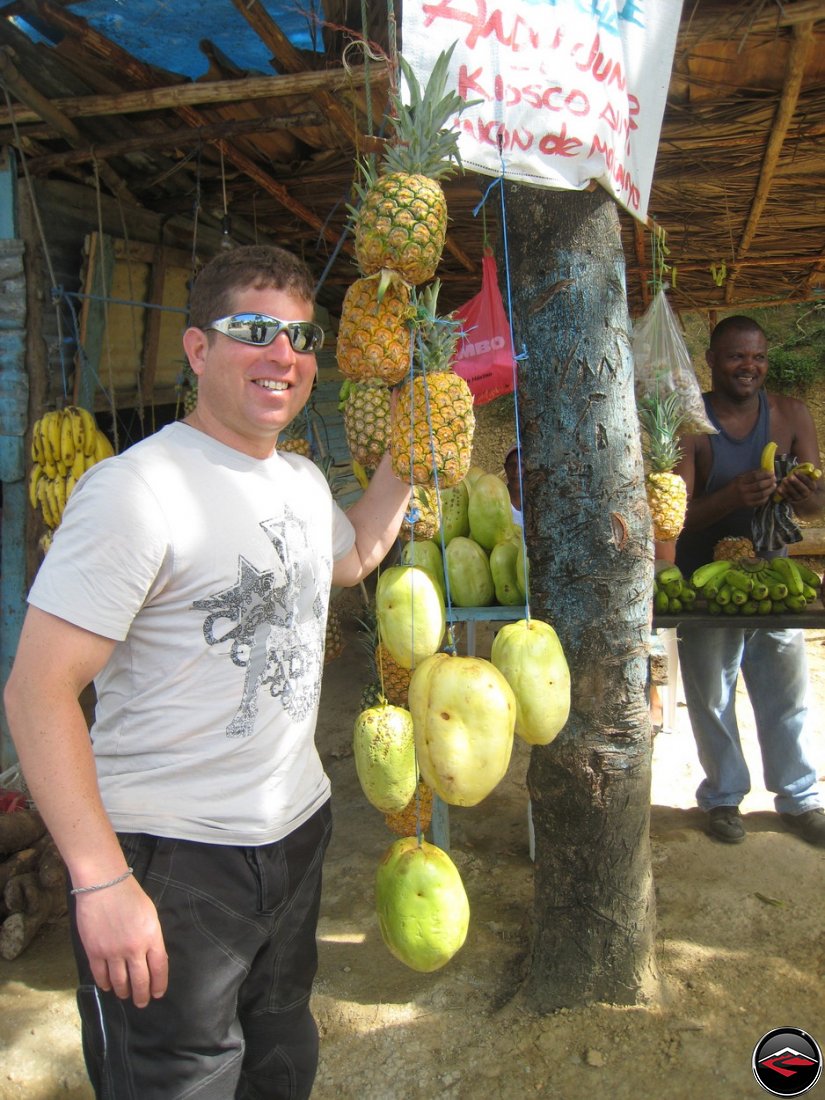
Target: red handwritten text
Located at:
point(551, 98)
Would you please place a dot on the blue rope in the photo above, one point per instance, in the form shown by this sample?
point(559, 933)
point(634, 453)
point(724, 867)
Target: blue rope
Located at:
point(521, 357)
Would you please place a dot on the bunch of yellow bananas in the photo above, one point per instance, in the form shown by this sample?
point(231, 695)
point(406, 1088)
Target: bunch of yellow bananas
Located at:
point(65, 443)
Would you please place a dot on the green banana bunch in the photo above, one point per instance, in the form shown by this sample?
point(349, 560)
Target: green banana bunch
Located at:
point(673, 594)
point(757, 587)
point(65, 443)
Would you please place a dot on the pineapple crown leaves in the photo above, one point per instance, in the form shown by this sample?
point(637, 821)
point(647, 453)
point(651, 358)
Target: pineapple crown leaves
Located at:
point(423, 145)
point(436, 337)
point(661, 419)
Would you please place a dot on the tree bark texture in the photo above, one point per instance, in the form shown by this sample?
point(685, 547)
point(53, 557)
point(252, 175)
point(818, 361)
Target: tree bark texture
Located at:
point(589, 544)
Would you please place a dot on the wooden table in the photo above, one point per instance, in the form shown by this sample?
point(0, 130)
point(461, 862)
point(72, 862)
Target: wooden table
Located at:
point(812, 618)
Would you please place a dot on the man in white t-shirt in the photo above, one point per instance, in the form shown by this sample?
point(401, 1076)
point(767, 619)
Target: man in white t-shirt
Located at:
point(190, 580)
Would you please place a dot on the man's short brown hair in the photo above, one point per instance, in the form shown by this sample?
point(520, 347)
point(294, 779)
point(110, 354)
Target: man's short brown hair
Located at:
point(250, 266)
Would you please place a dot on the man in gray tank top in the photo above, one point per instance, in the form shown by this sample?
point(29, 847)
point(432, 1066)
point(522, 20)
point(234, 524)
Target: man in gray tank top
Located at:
point(726, 483)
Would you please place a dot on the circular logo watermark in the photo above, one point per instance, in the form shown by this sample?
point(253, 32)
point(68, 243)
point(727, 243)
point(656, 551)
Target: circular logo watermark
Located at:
point(787, 1061)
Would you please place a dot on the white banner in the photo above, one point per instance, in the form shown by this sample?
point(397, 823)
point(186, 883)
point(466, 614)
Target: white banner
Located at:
point(571, 90)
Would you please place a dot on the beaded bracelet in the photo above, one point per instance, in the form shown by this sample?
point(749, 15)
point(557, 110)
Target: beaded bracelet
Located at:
point(103, 885)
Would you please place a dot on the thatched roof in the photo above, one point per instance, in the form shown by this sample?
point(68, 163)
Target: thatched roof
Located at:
point(737, 190)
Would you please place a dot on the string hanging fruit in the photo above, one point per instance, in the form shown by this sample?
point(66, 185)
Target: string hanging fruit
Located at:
point(416, 815)
point(421, 518)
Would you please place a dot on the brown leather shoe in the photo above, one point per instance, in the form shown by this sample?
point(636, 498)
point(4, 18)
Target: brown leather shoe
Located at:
point(725, 824)
point(809, 825)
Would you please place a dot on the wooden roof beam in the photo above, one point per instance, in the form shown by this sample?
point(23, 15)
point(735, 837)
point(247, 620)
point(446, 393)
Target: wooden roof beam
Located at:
point(289, 59)
point(17, 84)
point(803, 38)
point(707, 23)
point(194, 94)
point(180, 137)
point(144, 76)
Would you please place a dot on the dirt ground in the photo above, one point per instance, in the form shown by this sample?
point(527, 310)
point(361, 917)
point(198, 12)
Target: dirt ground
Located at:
point(740, 950)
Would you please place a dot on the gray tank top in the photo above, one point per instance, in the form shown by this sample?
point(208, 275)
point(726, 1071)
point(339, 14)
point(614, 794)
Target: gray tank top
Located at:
point(729, 457)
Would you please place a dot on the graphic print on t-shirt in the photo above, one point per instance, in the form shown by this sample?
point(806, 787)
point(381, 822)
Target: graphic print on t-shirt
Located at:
point(274, 620)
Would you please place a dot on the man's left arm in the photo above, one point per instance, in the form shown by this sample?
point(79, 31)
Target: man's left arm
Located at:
point(376, 517)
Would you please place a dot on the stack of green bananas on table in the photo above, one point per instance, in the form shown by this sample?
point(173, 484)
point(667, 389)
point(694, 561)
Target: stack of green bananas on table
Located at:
point(672, 593)
point(753, 586)
point(65, 443)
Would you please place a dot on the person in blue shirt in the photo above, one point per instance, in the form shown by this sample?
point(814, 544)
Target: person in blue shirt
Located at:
point(726, 484)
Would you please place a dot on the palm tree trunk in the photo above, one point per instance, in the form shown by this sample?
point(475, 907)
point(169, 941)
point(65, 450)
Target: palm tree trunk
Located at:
point(589, 542)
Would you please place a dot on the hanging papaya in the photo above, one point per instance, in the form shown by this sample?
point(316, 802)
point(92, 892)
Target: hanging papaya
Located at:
point(468, 573)
point(454, 519)
point(489, 511)
point(422, 907)
point(410, 611)
point(426, 553)
point(529, 655)
point(384, 750)
point(464, 715)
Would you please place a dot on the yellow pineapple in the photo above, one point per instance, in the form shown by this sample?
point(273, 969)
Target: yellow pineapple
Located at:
point(334, 641)
point(366, 411)
point(421, 518)
point(432, 421)
point(419, 810)
point(733, 548)
point(402, 220)
point(375, 333)
point(661, 418)
point(292, 439)
point(394, 679)
point(388, 680)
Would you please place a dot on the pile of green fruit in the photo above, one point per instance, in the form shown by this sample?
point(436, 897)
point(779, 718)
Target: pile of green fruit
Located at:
point(673, 594)
point(754, 586)
point(745, 586)
point(476, 555)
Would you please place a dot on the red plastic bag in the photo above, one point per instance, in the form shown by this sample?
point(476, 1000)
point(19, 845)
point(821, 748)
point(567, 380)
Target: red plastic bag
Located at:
point(484, 358)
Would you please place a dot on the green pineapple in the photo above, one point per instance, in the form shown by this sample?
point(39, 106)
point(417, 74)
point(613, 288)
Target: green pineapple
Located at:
point(366, 410)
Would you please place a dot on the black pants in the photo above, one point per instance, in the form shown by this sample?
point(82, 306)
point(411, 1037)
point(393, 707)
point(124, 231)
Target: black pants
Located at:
point(239, 926)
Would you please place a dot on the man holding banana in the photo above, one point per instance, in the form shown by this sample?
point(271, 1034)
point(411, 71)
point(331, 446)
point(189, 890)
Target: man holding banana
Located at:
point(727, 484)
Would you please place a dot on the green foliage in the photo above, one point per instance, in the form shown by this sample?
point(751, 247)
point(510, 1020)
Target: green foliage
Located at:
point(791, 369)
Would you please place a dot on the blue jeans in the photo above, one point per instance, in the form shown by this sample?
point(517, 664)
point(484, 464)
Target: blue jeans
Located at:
point(775, 671)
point(239, 926)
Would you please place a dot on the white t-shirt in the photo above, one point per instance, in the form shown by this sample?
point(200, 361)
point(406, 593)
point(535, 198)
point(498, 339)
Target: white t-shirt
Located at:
point(211, 570)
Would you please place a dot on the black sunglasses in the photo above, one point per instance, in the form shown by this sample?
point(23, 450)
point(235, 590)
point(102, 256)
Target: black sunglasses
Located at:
point(257, 328)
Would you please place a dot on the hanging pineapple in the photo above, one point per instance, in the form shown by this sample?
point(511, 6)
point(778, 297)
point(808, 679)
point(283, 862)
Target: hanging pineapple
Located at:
point(421, 518)
point(334, 639)
point(388, 680)
point(661, 419)
point(432, 422)
point(417, 812)
point(366, 411)
point(293, 439)
point(402, 220)
point(375, 334)
point(394, 678)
